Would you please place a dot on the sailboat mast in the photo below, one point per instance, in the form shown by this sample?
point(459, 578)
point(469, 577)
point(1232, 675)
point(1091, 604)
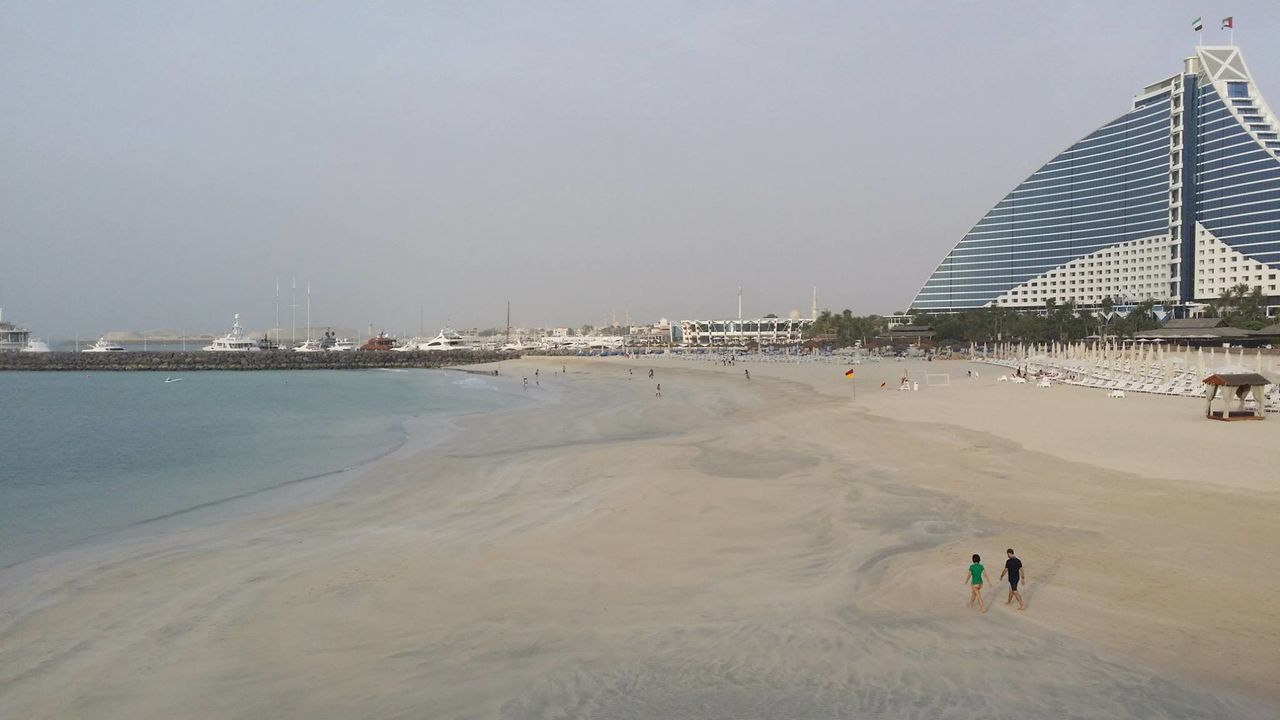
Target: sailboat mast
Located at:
point(508, 322)
point(277, 328)
point(308, 311)
point(293, 313)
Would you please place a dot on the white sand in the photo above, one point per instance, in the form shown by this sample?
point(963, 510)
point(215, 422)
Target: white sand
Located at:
point(766, 549)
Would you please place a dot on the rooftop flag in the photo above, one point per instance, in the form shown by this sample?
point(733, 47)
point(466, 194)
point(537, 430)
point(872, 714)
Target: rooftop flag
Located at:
point(1198, 25)
point(1227, 23)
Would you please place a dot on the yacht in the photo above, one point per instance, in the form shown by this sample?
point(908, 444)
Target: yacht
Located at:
point(36, 346)
point(309, 346)
point(12, 337)
point(381, 341)
point(103, 346)
point(344, 345)
point(234, 341)
point(447, 339)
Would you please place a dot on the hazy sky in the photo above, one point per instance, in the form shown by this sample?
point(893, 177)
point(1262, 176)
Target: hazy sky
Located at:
point(162, 164)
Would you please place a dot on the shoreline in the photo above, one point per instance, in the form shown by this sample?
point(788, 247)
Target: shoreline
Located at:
point(743, 549)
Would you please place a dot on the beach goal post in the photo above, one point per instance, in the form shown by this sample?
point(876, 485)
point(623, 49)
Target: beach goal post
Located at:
point(932, 379)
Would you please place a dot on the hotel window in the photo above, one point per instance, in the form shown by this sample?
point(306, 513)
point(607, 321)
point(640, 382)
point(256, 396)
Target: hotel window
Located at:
point(1237, 90)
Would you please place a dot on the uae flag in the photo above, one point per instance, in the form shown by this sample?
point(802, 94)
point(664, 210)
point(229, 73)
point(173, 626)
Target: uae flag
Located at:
point(1227, 23)
point(1198, 25)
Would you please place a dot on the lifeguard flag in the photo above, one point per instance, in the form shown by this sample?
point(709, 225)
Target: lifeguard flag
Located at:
point(1197, 25)
point(848, 373)
point(1227, 23)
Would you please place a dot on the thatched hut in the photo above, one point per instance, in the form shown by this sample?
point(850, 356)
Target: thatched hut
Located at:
point(1237, 386)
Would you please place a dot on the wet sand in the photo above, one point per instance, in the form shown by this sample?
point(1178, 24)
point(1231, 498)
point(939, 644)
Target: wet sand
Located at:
point(770, 549)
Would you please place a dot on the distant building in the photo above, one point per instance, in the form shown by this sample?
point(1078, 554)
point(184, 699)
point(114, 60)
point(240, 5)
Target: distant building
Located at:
point(657, 334)
point(737, 333)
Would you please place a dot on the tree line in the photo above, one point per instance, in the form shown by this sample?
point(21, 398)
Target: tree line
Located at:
point(1240, 306)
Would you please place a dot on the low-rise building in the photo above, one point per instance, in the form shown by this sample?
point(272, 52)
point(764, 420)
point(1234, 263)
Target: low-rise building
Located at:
point(739, 333)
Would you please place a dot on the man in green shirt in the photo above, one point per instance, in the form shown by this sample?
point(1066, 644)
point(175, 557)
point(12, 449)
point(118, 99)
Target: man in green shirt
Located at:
point(974, 578)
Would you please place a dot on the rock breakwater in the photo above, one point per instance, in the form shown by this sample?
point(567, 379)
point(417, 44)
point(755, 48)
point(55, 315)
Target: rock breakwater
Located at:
point(199, 360)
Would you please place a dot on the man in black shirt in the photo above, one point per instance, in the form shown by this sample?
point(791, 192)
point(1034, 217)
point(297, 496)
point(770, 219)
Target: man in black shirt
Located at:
point(1013, 566)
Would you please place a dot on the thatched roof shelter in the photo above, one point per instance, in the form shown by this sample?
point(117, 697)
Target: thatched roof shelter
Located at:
point(1237, 386)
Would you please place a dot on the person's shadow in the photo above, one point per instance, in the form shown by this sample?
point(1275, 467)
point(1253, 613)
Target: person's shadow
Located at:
point(1027, 592)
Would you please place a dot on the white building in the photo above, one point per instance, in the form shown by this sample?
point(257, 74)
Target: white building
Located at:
point(737, 333)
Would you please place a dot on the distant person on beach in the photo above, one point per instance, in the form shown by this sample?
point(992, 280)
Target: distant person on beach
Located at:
point(748, 373)
point(659, 393)
point(1013, 566)
point(974, 578)
point(650, 373)
point(526, 383)
point(535, 372)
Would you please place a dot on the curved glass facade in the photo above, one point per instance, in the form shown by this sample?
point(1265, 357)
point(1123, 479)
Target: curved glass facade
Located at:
point(1110, 187)
point(1238, 183)
point(1117, 213)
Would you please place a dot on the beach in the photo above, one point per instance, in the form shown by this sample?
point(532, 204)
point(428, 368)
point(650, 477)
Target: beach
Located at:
point(789, 546)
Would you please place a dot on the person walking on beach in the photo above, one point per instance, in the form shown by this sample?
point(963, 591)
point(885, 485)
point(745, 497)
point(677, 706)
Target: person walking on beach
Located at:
point(974, 578)
point(526, 383)
point(659, 393)
point(1013, 566)
point(650, 373)
point(748, 372)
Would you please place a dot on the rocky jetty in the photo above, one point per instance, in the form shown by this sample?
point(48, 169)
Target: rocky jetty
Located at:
point(199, 360)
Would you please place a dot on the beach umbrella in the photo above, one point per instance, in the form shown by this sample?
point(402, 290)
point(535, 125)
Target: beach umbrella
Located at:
point(1259, 359)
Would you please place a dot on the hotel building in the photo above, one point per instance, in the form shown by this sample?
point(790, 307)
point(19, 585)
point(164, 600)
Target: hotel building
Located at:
point(738, 333)
point(1174, 201)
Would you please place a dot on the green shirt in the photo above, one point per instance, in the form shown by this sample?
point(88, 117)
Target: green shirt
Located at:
point(976, 571)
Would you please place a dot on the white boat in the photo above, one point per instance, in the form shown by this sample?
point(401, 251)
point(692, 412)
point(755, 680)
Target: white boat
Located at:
point(234, 341)
point(12, 337)
point(36, 346)
point(447, 339)
point(344, 345)
point(309, 345)
point(103, 346)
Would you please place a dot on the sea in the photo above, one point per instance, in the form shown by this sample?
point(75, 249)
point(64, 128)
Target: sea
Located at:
point(89, 457)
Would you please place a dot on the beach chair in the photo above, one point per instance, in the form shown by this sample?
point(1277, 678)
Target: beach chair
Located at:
point(1044, 383)
point(1003, 378)
point(1019, 381)
point(1118, 394)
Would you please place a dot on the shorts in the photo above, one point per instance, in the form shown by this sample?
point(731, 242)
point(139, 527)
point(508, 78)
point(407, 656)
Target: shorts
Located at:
point(1013, 584)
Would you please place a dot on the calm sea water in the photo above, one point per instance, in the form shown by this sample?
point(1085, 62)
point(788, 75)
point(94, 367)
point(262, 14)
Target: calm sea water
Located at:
point(83, 456)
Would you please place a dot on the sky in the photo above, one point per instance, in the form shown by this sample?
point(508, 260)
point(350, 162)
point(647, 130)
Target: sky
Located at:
point(163, 164)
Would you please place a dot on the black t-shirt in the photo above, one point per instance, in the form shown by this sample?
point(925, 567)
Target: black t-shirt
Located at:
point(1014, 566)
